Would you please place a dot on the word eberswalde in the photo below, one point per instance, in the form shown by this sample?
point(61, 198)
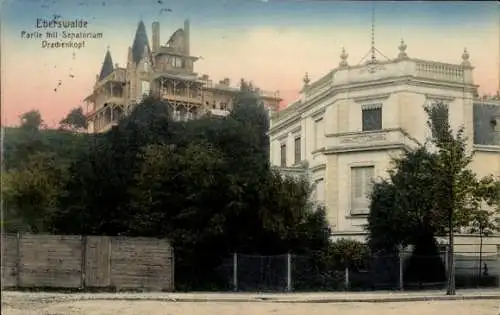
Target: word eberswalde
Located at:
point(70, 39)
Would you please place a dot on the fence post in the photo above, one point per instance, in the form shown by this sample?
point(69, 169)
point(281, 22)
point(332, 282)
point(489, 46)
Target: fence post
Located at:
point(18, 260)
point(84, 261)
point(401, 282)
point(446, 261)
point(235, 272)
point(289, 272)
point(346, 278)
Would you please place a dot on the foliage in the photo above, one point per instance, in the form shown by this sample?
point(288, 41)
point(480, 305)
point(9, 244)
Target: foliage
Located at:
point(75, 120)
point(484, 223)
point(31, 120)
point(430, 191)
point(425, 265)
point(346, 253)
point(20, 143)
point(206, 185)
point(401, 208)
point(30, 193)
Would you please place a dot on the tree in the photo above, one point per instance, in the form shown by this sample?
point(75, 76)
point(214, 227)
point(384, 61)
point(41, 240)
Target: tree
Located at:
point(30, 193)
point(486, 222)
point(75, 120)
point(205, 184)
point(455, 194)
point(483, 223)
point(349, 253)
point(401, 209)
point(31, 120)
point(431, 191)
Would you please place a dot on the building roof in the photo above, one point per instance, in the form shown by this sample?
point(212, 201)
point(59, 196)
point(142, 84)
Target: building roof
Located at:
point(107, 66)
point(140, 41)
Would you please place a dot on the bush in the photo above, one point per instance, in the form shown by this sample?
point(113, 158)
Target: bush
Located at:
point(425, 264)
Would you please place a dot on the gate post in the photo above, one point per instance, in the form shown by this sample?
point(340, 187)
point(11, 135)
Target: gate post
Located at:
point(235, 271)
point(289, 272)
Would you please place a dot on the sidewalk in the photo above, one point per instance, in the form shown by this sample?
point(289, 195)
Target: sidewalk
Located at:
point(320, 297)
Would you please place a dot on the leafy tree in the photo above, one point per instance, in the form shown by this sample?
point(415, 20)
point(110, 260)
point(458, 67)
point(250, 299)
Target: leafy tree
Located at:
point(401, 209)
point(30, 193)
point(425, 264)
point(350, 254)
point(31, 120)
point(428, 193)
point(75, 120)
point(455, 189)
point(101, 176)
point(204, 184)
point(483, 223)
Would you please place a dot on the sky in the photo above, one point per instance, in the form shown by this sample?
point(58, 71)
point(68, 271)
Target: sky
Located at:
point(272, 43)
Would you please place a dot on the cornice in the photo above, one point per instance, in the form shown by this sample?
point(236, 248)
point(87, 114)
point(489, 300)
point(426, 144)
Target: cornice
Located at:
point(276, 129)
point(486, 148)
point(384, 82)
point(319, 167)
point(372, 98)
point(439, 97)
point(366, 148)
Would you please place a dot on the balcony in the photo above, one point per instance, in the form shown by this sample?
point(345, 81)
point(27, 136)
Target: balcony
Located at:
point(181, 98)
point(118, 75)
point(218, 112)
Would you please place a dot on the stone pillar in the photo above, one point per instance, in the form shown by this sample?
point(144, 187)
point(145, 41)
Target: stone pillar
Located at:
point(331, 191)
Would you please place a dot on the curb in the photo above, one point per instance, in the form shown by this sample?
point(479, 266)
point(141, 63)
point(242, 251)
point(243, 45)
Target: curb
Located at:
point(296, 301)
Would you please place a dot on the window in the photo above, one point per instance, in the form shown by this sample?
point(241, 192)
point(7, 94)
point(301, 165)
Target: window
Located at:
point(176, 115)
point(361, 188)
point(319, 190)
point(145, 88)
point(177, 62)
point(146, 66)
point(297, 150)
point(283, 155)
point(319, 131)
point(372, 118)
point(495, 124)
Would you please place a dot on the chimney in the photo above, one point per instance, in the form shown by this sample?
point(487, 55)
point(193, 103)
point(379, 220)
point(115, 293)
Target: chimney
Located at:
point(186, 39)
point(156, 36)
point(226, 81)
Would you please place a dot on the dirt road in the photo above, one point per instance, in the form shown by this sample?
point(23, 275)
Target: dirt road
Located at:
point(31, 304)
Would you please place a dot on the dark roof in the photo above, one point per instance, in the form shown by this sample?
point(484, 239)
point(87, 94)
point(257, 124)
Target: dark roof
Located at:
point(107, 66)
point(140, 41)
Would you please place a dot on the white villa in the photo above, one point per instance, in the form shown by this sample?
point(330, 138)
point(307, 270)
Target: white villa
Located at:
point(346, 126)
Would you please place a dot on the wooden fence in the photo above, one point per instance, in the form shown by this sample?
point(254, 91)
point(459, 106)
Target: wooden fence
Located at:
point(84, 262)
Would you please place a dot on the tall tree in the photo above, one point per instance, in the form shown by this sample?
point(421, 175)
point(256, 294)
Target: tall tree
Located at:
point(429, 192)
point(97, 200)
point(75, 120)
point(454, 188)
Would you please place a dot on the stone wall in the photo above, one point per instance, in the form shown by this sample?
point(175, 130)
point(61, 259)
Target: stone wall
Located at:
point(83, 262)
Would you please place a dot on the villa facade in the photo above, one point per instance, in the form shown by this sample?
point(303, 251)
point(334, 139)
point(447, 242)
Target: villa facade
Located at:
point(344, 129)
